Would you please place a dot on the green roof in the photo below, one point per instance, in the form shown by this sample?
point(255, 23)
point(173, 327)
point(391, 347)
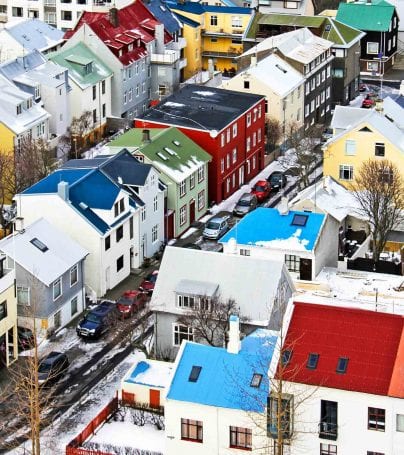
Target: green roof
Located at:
point(85, 68)
point(375, 16)
point(170, 150)
point(332, 30)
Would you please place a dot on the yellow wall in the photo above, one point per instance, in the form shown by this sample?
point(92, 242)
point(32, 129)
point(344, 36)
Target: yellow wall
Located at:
point(335, 155)
point(193, 50)
point(6, 139)
point(10, 322)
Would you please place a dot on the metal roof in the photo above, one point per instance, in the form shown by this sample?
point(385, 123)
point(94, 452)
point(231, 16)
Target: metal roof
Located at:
point(374, 15)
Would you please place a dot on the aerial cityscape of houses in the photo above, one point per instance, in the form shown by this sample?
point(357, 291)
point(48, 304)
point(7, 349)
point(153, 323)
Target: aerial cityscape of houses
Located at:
point(201, 227)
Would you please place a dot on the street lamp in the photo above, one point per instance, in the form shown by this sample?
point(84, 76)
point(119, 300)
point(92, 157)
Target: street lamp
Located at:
point(75, 145)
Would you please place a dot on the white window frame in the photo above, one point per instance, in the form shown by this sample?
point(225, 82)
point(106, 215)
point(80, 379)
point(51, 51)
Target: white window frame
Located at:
point(54, 286)
point(201, 174)
point(249, 119)
point(234, 155)
point(155, 203)
point(234, 130)
point(183, 215)
point(183, 188)
point(373, 44)
point(189, 335)
point(74, 269)
point(343, 168)
point(24, 289)
point(155, 233)
point(201, 200)
point(350, 147)
point(192, 181)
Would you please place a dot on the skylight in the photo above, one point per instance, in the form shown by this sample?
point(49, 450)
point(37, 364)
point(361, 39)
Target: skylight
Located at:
point(328, 27)
point(177, 143)
point(41, 246)
point(170, 151)
point(256, 380)
point(312, 361)
point(299, 220)
point(162, 156)
point(286, 356)
point(342, 365)
point(195, 372)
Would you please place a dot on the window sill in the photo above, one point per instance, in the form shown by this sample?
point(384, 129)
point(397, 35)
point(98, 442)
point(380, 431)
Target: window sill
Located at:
point(192, 440)
point(247, 449)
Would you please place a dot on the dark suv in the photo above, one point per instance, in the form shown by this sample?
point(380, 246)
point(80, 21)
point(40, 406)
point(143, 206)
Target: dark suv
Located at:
point(52, 367)
point(97, 321)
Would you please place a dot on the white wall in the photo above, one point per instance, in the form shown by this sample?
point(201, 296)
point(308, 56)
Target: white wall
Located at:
point(9, 47)
point(56, 102)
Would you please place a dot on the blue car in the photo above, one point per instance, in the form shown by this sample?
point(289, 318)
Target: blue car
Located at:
point(97, 321)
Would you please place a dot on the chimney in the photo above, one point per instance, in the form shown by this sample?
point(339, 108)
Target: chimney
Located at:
point(63, 190)
point(253, 61)
point(113, 17)
point(232, 246)
point(283, 207)
point(159, 36)
point(233, 346)
point(210, 68)
point(19, 224)
point(146, 136)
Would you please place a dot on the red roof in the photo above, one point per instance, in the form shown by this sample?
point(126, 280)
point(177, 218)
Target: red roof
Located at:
point(135, 22)
point(373, 342)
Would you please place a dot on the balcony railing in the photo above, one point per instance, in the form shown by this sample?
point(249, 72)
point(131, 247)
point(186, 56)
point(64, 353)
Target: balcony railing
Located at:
point(168, 58)
point(328, 430)
point(214, 54)
point(181, 43)
point(183, 63)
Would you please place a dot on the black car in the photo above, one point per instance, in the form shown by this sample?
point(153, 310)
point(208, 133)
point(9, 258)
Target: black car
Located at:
point(277, 180)
point(98, 321)
point(52, 367)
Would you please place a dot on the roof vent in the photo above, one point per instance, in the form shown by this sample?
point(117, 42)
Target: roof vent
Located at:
point(162, 156)
point(145, 135)
point(177, 143)
point(83, 205)
point(169, 151)
point(281, 69)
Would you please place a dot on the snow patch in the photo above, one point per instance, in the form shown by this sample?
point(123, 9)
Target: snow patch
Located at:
point(292, 243)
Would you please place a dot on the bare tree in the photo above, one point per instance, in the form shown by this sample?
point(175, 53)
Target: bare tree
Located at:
point(303, 153)
point(273, 132)
point(379, 190)
point(73, 143)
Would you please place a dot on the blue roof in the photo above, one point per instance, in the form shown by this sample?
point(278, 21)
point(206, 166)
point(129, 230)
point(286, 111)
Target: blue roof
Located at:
point(187, 21)
point(225, 379)
point(197, 8)
point(164, 15)
point(267, 227)
point(35, 34)
point(50, 183)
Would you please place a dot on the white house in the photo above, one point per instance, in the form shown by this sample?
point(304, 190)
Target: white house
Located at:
point(217, 399)
point(343, 381)
point(188, 278)
point(305, 241)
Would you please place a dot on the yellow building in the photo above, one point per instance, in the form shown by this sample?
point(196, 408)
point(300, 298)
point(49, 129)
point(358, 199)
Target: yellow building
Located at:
point(222, 29)
point(360, 135)
point(8, 316)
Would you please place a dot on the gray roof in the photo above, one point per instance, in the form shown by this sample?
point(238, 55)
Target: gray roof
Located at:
point(251, 282)
point(196, 287)
point(395, 236)
point(62, 253)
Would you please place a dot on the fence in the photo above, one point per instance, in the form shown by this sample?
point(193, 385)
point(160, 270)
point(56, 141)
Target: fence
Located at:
point(73, 448)
point(369, 265)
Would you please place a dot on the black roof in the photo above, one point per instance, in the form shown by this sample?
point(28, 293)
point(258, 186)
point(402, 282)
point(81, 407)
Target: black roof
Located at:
point(201, 107)
point(395, 236)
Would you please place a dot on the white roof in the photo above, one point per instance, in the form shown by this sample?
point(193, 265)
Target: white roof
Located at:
point(300, 45)
point(62, 253)
point(276, 73)
point(251, 282)
point(330, 197)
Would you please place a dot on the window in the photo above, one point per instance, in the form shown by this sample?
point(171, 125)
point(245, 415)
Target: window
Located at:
point(130, 94)
point(3, 310)
point(222, 140)
point(131, 228)
point(119, 207)
point(213, 20)
point(244, 252)
point(155, 203)
point(249, 119)
point(104, 110)
point(338, 73)
point(74, 306)
point(256, 380)
point(299, 220)
point(350, 147)
point(57, 288)
point(345, 172)
point(259, 131)
point(19, 109)
point(94, 115)
point(66, 15)
point(246, 84)
point(372, 47)
point(17, 11)
point(40, 245)
point(240, 438)
point(183, 188)
point(183, 215)
point(201, 200)
point(379, 149)
point(376, 419)
point(234, 155)
point(285, 413)
point(307, 88)
point(286, 356)
point(400, 422)
point(342, 365)
point(328, 449)
point(236, 21)
point(154, 233)
point(103, 87)
point(119, 234)
point(328, 428)
point(107, 243)
point(228, 135)
point(182, 332)
point(194, 375)
point(192, 181)
point(201, 174)
point(222, 165)
point(234, 130)
point(124, 97)
point(191, 430)
point(373, 66)
point(94, 92)
point(143, 213)
point(23, 295)
point(213, 40)
point(137, 89)
point(74, 275)
point(186, 301)
point(248, 145)
point(119, 263)
point(312, 361)
point(370, 452)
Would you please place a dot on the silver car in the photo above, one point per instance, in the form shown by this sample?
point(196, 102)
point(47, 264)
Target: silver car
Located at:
point(247, 203)
point(216, 227)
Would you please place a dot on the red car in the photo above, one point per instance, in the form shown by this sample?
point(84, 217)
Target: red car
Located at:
point(368, 103)
point(147, 285)
point(261, 190)
point(131, 302)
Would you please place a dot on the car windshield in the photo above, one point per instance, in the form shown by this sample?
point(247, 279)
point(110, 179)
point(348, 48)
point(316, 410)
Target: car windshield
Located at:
point(213, 225)
point(125, 301)
point(275, 177)
point(244, 202)
point(91, 317)
point(44, 367)
point(259, 188)
point(152, 278)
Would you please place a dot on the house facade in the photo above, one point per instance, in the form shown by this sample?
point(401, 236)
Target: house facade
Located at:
point(182, 167)
point(49, 271)
point(228, 125)
point(8, 314)
point(379, 19)
point(305, 242)
point(218, 277)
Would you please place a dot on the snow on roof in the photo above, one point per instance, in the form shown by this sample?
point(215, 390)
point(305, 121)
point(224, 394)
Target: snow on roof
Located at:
point(225, 379)
point(268, 228)
point(59, 252)
point(151, 373)
point(195, 287)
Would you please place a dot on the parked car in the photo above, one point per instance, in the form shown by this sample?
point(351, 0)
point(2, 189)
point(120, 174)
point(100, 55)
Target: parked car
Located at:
point(261, 190)
point(52, 367)
point(327, 134)
point(131, 302)
point(247, 203)
point(25, 338)
point(147, 285)
point(368, 102)
point(98, 320)
point(216, 227)
point(363, 87)
point(277, 180)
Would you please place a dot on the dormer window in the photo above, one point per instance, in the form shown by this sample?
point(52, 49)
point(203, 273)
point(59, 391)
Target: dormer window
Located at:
point(37, 92)
point(120, 53)
point(119, 207)
point(256, 380)
point(29, 103)
point(19, 109)
point(88, 68)
point(130, 47)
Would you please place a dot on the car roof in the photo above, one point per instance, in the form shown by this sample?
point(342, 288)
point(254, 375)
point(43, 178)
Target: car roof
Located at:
point(52, 356)
point(246, 196)
point(261, 182)
point(218, 219)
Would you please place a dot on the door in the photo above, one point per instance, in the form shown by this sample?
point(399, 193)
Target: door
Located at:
point(191, 211)
point(154, 398)
point(305, 269)
point(170, 225)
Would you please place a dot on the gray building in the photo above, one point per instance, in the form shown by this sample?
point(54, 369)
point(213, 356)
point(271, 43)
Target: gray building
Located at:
point(49, 269)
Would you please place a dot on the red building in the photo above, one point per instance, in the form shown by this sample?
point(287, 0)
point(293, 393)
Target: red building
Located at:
point(229, 125)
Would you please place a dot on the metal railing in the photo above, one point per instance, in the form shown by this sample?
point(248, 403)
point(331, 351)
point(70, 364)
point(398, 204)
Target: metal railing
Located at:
point(328, 430)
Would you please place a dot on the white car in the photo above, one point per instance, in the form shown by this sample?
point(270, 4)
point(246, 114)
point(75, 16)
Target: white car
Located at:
point(216, 227)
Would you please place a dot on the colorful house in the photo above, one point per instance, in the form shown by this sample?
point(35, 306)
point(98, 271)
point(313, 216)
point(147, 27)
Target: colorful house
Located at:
point(361, 135)
point(192, 32)
point(228, 125)
point(183, 168)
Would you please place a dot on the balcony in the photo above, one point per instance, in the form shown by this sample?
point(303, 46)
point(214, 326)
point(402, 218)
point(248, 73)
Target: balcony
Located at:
point(183, 63)
point(168, 58)
point(221, 32)
point(178, 45)
point(231, 53)
point(328, 430)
